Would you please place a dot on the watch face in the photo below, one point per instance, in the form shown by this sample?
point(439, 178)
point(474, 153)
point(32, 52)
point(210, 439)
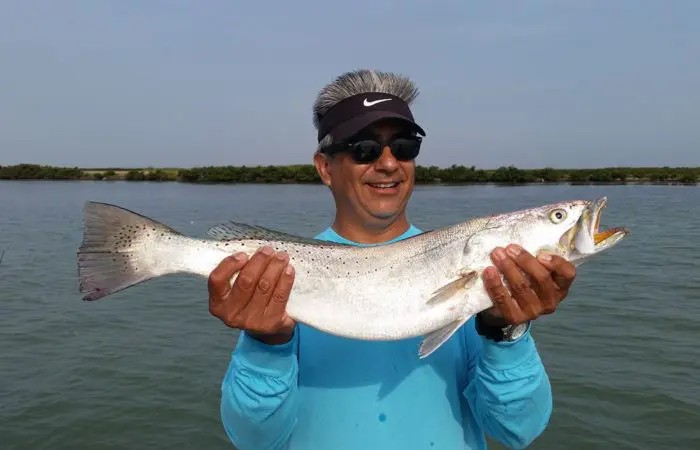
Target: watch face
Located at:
point(517, 331)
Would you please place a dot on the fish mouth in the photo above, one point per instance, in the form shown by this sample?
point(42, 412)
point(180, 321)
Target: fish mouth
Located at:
point(586, 237)
point(603, 237)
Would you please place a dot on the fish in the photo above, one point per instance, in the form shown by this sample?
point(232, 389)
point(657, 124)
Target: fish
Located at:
point(425, 286)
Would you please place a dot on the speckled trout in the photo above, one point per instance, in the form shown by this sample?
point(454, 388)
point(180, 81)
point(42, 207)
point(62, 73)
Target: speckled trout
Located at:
point(427, 285)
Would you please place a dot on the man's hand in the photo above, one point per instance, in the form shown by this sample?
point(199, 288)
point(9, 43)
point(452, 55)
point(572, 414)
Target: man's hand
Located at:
point(537, 285)
point(256, 302)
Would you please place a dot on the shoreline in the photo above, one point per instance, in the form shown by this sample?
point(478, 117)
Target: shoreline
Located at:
point(455, 175)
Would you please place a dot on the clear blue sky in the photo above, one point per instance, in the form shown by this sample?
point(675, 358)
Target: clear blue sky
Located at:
point(184, 83)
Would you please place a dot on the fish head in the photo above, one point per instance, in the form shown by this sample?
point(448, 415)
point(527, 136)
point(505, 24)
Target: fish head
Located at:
point(570, 229)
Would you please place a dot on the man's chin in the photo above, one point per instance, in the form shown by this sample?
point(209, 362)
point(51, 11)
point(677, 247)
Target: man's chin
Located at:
point(385, 213)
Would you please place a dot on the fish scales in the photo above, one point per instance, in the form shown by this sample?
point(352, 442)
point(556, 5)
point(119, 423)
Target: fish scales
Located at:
point(427, 285)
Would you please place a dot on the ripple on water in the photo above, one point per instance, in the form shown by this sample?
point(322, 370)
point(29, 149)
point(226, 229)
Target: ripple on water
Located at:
point(142, 369)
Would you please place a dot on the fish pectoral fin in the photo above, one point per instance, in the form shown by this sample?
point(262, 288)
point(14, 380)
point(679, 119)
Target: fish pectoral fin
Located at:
point(465, 280)
point(434, 340)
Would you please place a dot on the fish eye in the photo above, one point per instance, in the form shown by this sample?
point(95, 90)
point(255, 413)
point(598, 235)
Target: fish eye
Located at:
point(557, 215)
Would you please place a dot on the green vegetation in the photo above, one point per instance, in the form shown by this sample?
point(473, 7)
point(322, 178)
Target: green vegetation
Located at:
point(36, 172)
point(306, 173)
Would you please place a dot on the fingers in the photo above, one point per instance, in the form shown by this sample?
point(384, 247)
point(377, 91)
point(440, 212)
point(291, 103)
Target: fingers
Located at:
point(249, 277)
point(256, 302)
point(536, 286)
point(562, 271)
point(267, 284)
point(502, 300)
point(218, 281)
point(540, 279)
point(280, 295)
point(524, 300)
point(520, 287)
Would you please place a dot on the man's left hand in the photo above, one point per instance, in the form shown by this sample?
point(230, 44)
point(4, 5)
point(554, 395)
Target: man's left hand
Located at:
point(537, 285)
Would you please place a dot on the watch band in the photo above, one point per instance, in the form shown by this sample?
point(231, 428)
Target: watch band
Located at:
point(508, 333)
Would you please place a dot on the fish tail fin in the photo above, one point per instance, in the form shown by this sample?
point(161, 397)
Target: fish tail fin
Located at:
point(120, 249)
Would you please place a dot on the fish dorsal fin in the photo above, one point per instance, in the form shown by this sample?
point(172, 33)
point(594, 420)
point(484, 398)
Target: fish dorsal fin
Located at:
point(238, 231)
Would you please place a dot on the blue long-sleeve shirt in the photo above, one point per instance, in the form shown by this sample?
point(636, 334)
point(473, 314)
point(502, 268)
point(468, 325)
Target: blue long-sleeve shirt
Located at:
point(320, 391)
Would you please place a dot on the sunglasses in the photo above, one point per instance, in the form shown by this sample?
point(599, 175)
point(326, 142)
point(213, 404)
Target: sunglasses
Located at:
point(368, 151)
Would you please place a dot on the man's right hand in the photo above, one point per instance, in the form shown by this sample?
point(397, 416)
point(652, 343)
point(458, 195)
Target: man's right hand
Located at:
point(256, 302)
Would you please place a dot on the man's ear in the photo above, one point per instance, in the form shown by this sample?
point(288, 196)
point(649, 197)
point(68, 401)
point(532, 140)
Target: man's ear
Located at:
point(322, 168)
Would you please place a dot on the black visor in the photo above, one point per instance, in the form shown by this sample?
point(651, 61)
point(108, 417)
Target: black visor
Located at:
point(351, 115)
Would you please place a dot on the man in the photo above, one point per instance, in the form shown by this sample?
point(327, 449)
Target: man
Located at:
point(291, 386)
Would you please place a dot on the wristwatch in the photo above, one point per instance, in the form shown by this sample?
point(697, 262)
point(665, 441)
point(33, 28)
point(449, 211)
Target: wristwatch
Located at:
point(509, 333)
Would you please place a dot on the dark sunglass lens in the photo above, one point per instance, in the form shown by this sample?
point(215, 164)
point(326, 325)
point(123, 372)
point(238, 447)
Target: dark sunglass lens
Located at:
point(365, 151)
point(405, 149)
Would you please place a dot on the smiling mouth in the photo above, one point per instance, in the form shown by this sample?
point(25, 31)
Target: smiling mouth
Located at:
point(384, 185)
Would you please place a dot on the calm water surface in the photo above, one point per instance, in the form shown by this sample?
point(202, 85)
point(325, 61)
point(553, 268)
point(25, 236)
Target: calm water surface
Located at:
point(142, 369)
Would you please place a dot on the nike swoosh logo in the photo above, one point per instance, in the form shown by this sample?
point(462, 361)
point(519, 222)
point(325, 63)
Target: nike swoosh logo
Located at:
point(374, 102)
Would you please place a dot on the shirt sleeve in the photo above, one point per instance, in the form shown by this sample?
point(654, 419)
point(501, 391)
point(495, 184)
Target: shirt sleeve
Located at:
point(507, 387)
point(259, 394)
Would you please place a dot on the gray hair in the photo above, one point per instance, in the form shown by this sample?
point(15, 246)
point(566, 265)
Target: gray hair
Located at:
point(358, 82)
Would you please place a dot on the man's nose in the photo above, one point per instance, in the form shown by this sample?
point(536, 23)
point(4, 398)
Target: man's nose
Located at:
point(386, 162)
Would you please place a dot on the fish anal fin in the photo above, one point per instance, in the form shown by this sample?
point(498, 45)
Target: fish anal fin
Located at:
point(464, 281)
point(434, 340)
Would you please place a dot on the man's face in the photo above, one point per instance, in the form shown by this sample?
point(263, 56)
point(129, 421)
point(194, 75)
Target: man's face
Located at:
point(374, 192)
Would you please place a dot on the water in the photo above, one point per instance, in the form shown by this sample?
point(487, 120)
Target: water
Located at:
point(142, 370)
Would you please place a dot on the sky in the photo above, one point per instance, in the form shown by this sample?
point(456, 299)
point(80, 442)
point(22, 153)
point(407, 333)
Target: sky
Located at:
point(558, 83)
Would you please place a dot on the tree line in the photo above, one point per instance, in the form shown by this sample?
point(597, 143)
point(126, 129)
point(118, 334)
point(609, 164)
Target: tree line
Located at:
point(306, 173)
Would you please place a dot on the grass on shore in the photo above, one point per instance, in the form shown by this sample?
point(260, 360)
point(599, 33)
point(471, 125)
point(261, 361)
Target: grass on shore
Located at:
point(306, 173)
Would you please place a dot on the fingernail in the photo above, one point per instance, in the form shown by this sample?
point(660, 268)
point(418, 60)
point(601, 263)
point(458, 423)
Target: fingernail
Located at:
point(240, 256)
point(499, 253)
point(289, 270)
point(267, 251)
point(514, 250)
point(490, 273)
point(281, 256)
point(545, 257)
